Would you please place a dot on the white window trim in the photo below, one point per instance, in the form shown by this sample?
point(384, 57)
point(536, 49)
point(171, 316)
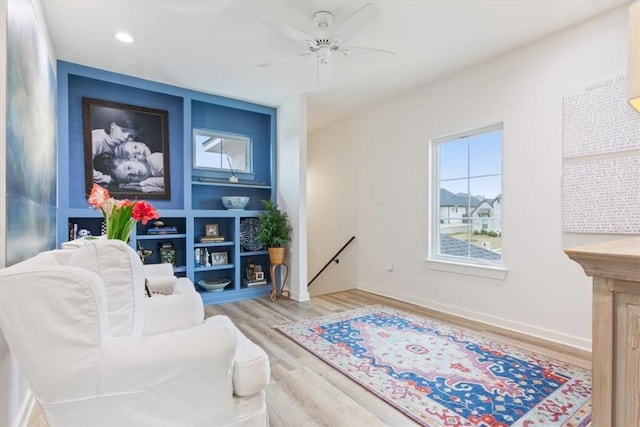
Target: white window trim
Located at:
point(486, 271)
point(471, 267)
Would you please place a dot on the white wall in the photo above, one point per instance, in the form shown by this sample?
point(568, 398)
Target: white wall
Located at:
point(332, 200)
point(292, 193)
point(384, 192)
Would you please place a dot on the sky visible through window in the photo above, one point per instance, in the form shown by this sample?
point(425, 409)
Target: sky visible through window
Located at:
point(473, 165)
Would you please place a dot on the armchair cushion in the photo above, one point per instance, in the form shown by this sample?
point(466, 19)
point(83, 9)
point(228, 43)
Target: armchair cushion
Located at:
point(121, 269)
point(166, 313)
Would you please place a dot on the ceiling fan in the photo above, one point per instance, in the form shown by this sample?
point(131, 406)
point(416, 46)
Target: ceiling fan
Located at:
point(326, 42)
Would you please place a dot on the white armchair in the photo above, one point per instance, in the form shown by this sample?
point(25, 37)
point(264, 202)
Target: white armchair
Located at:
point(78, 324)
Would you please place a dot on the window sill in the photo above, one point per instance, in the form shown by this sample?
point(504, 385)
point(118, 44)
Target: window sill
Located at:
point(486, 271)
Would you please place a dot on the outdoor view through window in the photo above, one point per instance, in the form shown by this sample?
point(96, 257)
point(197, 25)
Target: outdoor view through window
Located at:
point(469, 197)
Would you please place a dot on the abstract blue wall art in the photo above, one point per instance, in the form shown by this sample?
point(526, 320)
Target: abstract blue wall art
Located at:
point(31, 136)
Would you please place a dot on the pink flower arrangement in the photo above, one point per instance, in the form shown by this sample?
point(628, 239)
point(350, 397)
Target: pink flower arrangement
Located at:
point(120, 215)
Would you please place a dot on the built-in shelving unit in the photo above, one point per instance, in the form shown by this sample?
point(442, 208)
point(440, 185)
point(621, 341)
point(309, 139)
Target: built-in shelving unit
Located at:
point(195, 199)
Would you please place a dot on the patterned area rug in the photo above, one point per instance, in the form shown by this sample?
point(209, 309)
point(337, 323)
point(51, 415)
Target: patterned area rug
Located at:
point(440, 375)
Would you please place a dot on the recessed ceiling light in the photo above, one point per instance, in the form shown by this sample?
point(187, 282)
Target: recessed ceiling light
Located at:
point(124, 37)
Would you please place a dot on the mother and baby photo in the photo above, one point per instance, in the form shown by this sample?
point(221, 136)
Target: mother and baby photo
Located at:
point(126, 149)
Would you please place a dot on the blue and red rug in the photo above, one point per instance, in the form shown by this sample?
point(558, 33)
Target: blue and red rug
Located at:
point(440, 375)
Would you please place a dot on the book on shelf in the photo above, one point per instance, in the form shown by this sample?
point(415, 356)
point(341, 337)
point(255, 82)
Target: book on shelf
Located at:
point(162, 230)
point(211, 239)
point(73, 231)
point(252, 283)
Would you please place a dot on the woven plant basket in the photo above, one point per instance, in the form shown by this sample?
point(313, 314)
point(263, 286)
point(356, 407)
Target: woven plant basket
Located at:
point(277, 255)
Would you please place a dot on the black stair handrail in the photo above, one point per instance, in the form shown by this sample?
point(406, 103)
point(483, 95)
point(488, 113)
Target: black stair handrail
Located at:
point(334, 258)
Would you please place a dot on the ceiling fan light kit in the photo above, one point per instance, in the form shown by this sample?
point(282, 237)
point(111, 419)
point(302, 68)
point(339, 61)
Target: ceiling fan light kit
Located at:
point(326, 40)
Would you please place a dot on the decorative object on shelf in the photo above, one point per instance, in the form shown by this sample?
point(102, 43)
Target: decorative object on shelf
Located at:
point(143, 253)
point(120, 215)
point(219, 258)
point(211, 230)
point(233, 178)
point(167, 253)
point(201, 257)
point(235, 202)
point(126, 148)
point(254, 276)
point(215, 285)
point(249, 235)
point(83, 232)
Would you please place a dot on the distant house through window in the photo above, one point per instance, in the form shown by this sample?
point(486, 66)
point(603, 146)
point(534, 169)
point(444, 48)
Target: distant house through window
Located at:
point(467, 189)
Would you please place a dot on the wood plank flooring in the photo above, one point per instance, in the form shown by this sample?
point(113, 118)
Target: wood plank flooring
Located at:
point(305, 391)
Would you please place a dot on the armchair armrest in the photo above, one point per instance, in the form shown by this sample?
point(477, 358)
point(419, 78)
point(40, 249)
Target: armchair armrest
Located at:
point(206, 351)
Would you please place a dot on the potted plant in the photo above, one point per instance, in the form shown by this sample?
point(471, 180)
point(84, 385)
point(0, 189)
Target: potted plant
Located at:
point(274, 231)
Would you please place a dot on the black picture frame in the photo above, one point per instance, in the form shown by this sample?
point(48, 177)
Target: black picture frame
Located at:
point(108, 161)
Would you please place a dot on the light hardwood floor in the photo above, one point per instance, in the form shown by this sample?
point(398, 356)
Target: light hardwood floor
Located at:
point(304, 391)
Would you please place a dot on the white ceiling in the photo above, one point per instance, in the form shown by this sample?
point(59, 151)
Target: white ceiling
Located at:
point(214, 46)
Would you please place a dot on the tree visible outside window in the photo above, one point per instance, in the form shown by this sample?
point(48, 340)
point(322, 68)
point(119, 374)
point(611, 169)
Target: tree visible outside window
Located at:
point(467, 225)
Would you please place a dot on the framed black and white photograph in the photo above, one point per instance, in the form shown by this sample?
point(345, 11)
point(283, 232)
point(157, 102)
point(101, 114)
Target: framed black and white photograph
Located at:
point(126, 149)
point(211, 230)
point(219, 258)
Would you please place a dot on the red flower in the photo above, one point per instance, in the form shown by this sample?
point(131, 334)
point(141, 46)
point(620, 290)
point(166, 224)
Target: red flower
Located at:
point(120, 215)
point(143, 211)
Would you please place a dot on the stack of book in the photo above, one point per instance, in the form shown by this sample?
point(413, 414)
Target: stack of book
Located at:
point(211, 239)
point(162, 230)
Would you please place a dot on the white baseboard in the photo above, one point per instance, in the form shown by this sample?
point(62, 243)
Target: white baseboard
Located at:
point(24, 414)
point(522, 328)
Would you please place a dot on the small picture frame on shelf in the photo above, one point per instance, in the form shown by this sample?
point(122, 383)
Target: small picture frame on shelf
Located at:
point(167, 253)
point(211, 230)
point(219, 258)
point(259, 275)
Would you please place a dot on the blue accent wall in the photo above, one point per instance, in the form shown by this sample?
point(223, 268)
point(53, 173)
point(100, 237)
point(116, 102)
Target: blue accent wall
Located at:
point(79, 87)
point(187, 109)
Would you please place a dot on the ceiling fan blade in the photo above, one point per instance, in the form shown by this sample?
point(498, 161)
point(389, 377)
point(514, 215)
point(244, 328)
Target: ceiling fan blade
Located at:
point(346, 51)
point(357, 22)
point(287, 30)
point(283, 60)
